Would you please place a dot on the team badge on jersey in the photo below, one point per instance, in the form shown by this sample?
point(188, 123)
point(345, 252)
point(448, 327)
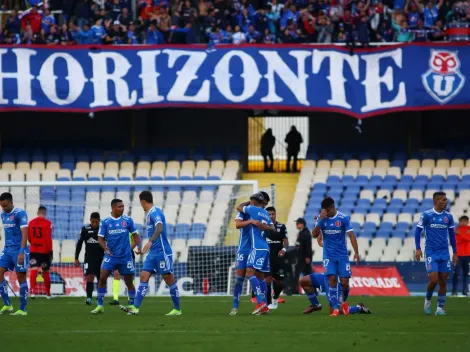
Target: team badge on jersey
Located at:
point(12, 218)
point(443, 81)
point(338, 223)
point(124, 224)
point(446, 220)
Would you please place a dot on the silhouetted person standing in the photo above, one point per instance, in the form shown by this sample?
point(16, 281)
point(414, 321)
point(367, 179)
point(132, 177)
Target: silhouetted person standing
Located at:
point(293, 140)
point(267, 144)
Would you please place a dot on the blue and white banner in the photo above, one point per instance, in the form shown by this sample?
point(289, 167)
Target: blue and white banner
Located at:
point(288, 77)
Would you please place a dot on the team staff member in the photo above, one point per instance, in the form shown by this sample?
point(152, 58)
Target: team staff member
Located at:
point(278, 242)
point(304, 249)
point(40, 240)
point(462, 236)
point(93, 254)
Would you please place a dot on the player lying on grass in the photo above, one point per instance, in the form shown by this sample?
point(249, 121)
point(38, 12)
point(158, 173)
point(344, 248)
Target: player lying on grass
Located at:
point(243, 222)
point(113, 237)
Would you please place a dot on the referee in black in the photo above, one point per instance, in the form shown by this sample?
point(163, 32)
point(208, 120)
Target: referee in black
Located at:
point(278, 244)
point(304, 250)
point(93, 254)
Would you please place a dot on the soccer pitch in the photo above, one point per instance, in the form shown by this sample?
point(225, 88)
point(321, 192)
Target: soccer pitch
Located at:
point(397, 324)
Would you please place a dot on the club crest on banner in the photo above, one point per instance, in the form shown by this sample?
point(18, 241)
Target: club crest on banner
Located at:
point(443, 81)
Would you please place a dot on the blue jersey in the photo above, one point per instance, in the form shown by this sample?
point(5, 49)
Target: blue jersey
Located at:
point(116, 233)
point(436, 229)
point(12, 224)
point(258, 237)
point(161, 246)
point(334, 236)
point(244, 244)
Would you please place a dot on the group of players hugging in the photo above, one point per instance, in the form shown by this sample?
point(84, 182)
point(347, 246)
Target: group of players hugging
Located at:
point(110, 245)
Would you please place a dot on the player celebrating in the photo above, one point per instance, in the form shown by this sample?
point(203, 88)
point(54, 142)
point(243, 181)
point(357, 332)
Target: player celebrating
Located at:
point(159, 259)
point(438, 225)
point(258, 260)
point(40, 240)
point(93, 253)
point(334, 225)
point(14, 255)
point(115, 231)
point(243, 222)
point(278, 242)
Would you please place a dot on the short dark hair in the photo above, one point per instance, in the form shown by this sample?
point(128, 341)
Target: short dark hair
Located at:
point(116, 201)
point(146, 196)
point(266, 196)
point(6, 196)
point(271, 209)
point(438, 194)
point(463, 217)
point(95, 215)
point(327, 202)
point(42, 208)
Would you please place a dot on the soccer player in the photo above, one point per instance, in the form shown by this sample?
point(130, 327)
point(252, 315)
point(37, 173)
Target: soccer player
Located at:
point(117, 277)
point(15, 254)
point(438, 227)
point(258, 260)
point(160, 257)
point(333, 226)
point(242, 222)
point(117, 252)
point(40, 240)
point(93, 254)
point(278, 242)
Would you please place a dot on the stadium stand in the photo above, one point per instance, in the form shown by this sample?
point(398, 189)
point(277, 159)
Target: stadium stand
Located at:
point(384, 198)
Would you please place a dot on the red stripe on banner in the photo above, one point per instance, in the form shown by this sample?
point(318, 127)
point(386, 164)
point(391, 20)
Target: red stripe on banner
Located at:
point(458, 31)
point(377, 281)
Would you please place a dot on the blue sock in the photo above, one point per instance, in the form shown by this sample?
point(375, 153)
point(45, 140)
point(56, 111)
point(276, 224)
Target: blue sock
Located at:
point(237, 291)
point(256, 289)
point(264, 289)
point(4, 293)
point(312, 297)
point(141, 292)
point(429, 295)
point(345, 294)
point(101, 294)
point(23, 296)
point(131, 295)
point(441, 300)
point(333, 297)
point(354, 310)
point(175, 295)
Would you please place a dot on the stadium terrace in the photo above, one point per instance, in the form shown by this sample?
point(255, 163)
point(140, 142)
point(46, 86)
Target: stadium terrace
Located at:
point(295, 77)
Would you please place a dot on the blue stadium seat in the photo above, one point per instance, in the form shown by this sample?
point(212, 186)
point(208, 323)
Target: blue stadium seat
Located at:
point(393, 209)
point(361, 209)
point(396, 202)
point(376, 181)
point(315, 200)
point(418, 186)
point(383, 234)
point(390, 180)
point(380, 204)
point(386, 226)
point(427, 203)
point(406, 180)
point(388, 187)
point(370, 187)
point(335, 195)
point(182, 231)
point(347, 202)
point(398, 163)
point(333, 180)
point(377, 211)
point(421, 180)
point(435, 185)
point(351, 196)
point(402, 226)
point(197, 231)
point(399, 234)
point(356, 227)
point(364, 202)
point(348, 180)
point(404, 187)
point(320, 187)
point(336, 188)
point(362, 180)
point(170, 230)
point(437, 179)
point(369, 226)
point(409, 209)
point(412, 202)
point(367, 234)
point(353, 189)
point(346, 209)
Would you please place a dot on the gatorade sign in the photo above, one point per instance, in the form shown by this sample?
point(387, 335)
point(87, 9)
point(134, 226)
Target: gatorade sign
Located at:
point(377, 281)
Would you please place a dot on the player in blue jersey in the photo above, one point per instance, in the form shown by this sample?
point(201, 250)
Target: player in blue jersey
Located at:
point(243, 222)
point(258, 261)
point(159, 259)
point(438, 227)
point(15, 254)
point(113, 237)
point(333, 226)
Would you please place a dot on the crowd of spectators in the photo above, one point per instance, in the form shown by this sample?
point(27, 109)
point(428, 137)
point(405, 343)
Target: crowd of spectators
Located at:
point(233, 21)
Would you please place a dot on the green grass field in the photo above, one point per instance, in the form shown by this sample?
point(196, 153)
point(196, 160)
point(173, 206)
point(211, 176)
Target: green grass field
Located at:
point(397, 324)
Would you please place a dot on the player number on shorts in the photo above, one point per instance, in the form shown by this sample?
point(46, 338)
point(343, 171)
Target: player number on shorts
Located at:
point(326, 262)
point(130, 265)
point(348, 267)
point(106, 260)
point(429, 260)
point(85, 266)
point(239, 257)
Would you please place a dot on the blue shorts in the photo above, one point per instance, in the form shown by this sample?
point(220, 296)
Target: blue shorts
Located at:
point(337, 267)
point(438, 261)
point(158, 263)
point(9, 260)
point(125, 266)
point(259, 260)
point(242, 258)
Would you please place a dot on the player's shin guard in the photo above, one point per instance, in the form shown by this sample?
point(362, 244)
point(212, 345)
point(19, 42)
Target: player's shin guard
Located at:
point(312, 297)
point(141, 292)
point(101, 294)
point(131, 295)
point(4, 293)
point(32, 280)
point(89, 289)
point(429, 294)
point(441, 300)
point(268, 293)
point(237, 290)
point(264, 289)
point(47, 282)
point(345, 294)
point(256, 289)
point(175, 296)
point(116, 289)
point(23, 296)
point(333, 297)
